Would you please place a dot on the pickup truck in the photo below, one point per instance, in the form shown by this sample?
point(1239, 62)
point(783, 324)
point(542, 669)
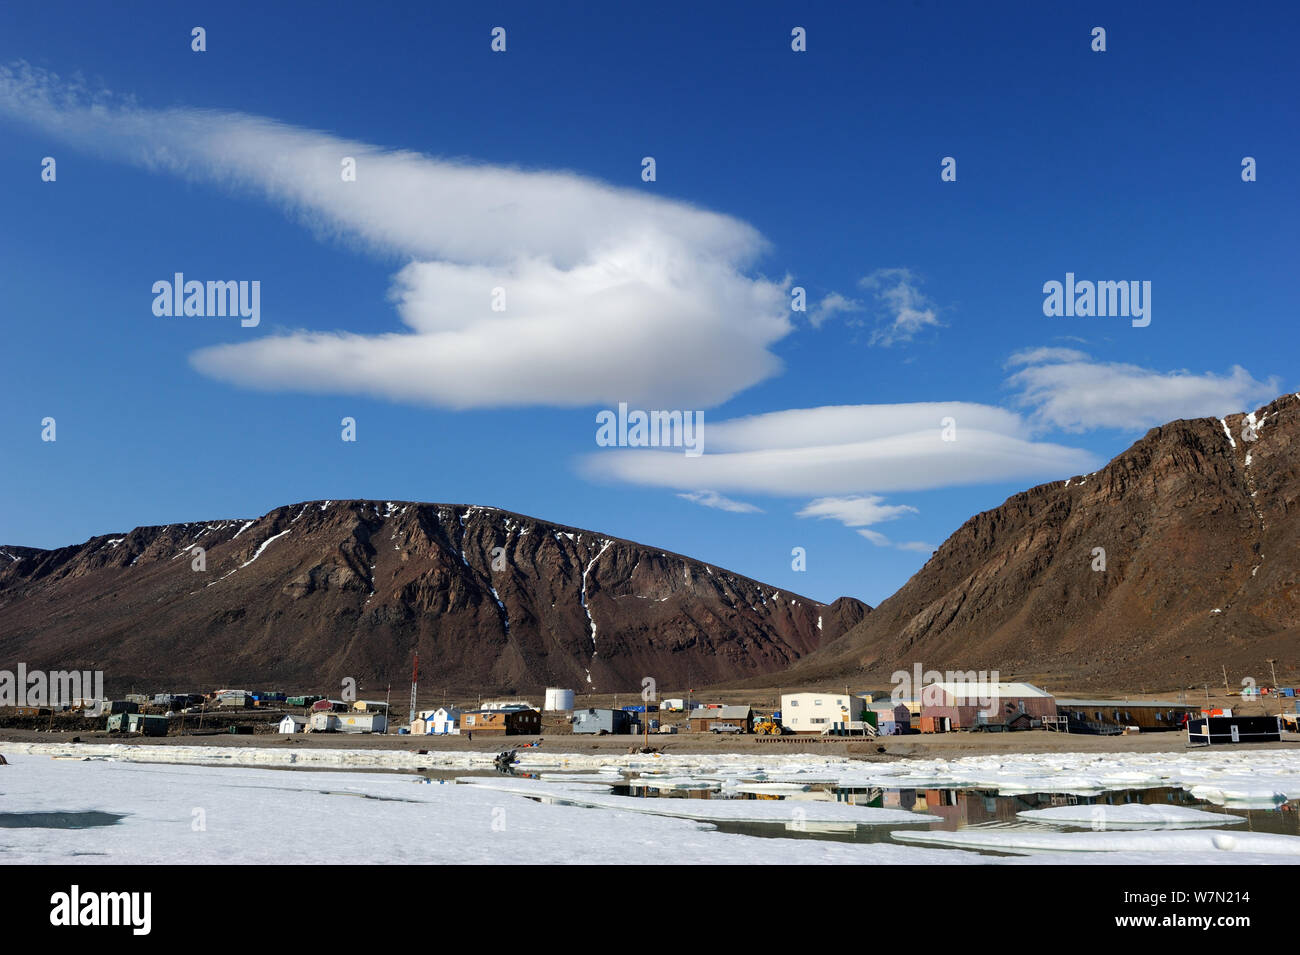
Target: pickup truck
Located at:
point(725, 728)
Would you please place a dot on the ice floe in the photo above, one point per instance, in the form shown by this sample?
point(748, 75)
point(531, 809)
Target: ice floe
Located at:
point(1129, 815)
point(1222, 776)
point(197, 815)
point(1202, 841)
point(709, 810)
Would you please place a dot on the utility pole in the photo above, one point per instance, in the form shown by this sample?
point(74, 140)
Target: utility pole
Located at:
point(1273, 666)
point(1226, 689)
point(415, 682)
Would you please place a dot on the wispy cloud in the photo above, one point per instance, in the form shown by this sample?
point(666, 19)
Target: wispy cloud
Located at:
point(919, 547)
point(852, 449)
point(715, 500)
point(611, 294)
point(1044, 355)
point(877, 538)
point(1066, 390)
point(906, 310)
point(857, 511)
point(861, 512)
point(830, 306)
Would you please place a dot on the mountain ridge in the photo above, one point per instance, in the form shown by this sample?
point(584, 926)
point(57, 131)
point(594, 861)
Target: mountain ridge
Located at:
point(1200, 543)
point(314, 591)
point(1175, 560)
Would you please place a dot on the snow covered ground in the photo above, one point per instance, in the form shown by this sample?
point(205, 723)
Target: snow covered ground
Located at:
point(206, 804)
point(1244, 778)
point(197, 814)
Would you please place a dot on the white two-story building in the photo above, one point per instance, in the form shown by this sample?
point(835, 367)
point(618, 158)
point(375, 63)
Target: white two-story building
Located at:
point(815, 712)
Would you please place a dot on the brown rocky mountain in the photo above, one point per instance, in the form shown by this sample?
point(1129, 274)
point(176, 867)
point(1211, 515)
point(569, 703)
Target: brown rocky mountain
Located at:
point(312, 593)
point(1200, 526)
point(1199, 522)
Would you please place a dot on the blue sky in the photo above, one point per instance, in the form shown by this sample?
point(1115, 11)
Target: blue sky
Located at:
point(522, 169)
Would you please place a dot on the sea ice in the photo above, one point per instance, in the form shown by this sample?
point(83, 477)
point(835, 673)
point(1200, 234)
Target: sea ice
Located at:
point(1130, 815)
point(1200, 841)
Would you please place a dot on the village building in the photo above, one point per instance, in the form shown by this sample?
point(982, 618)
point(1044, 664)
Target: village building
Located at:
point(443, 721)
point(446, 721)
point(507, 722)
point(1110, 716)
point(891, 719)
point(815, 712)
point(603, 721)
point(348, 722)
point(705, 718)
point(330, 706)
point(293, 724)
point(137, 723)
point(969, 705)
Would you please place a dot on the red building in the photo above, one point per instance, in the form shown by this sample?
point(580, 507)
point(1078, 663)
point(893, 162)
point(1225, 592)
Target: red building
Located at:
point(963, 706)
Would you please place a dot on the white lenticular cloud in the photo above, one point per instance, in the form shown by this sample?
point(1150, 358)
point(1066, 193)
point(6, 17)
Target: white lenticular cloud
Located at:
point(851, 450)
point(1066, 390)
point(611, 294)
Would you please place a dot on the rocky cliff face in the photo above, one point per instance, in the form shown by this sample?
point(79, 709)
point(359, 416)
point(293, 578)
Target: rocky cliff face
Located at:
point(1199, 526)
point(312, 593)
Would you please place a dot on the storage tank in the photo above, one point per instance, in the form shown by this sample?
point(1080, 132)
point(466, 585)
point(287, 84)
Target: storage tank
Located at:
point(558, 699)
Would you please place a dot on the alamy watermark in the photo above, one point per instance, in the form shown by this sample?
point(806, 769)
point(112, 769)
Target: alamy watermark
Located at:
point(50, 687)
point(208, 299)
point(1086, 299)
point(651, 429)
point(131, 910)
point(924, 687)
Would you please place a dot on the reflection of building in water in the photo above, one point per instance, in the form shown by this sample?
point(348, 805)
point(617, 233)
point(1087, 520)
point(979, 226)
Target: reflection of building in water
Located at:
point(900, 799)
point(961, 808)
point(817, 795)
point(871, 796)
point(948, 805)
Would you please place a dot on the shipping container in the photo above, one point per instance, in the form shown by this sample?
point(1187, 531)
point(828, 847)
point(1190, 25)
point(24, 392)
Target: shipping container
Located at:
point(1214, 730)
